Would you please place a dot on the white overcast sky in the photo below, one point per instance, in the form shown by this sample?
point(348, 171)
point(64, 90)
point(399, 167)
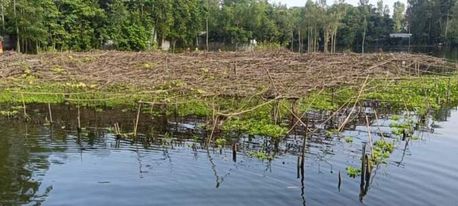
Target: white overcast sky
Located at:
point(292, 3)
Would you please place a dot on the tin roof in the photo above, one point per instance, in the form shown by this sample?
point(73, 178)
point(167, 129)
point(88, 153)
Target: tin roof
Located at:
point(400, 35)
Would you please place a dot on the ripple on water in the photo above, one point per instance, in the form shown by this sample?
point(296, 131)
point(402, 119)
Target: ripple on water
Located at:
point(103, 171)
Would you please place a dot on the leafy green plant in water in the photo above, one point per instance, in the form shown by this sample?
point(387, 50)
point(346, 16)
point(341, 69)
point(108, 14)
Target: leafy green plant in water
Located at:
point(395, 117)
point(8, 113)
point(255, 127)
point(397, 131)
point(381, 151)
point(261, 155)
point(403, 127)
point(349, 139)
point(415, 137)
point(220, 142)
point(330, 133)
point(353, 171)
point(194, 107)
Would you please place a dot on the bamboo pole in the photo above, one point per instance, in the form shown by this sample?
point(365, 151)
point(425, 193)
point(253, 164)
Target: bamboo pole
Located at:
point(26, 116)
point(137, 119)
point(234, 152)
point(50, 114)
point(78, 118)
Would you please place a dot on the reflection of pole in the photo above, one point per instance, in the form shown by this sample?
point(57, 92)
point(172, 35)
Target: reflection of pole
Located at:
point(219, 179)
point(78, 118)
point(340, 182)
point(234, 152)
point(304, 143)
point(363, 171)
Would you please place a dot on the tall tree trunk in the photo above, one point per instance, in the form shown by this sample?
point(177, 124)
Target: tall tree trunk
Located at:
point(308, 40)
point(364, 40)
point(3, 16)
point(206, 27)
point(446, 25)
point(326, 40)
point(292, 40)
point(206, 36)
point(299, 35)
point(334, 43)
point(316, 35)
point(18, 45)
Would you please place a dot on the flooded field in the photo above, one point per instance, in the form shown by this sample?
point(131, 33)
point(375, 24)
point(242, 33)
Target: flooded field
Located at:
point(272, 128)
point(168, 164)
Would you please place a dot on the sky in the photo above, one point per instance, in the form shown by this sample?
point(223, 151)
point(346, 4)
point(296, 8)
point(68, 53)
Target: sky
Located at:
point(292, 3)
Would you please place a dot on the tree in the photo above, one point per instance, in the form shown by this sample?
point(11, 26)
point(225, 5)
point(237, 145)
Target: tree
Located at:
point(364, 10)
point(313, 17)
point(429, 20)
point(398, 16)
point(83, 21)
point(453, 30)
point(162, 16)
point(187, 22)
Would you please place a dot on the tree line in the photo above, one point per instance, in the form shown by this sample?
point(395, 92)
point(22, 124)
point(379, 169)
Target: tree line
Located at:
point(79, 25)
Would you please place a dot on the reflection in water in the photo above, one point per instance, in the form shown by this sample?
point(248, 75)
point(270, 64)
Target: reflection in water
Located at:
point(52, 164)
point(20, 167)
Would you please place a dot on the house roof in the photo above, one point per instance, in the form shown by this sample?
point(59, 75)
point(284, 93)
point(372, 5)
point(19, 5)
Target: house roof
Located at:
point(400, 35)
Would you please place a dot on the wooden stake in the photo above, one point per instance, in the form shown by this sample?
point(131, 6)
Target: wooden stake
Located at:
point(363, 166)
point(79, 120)
point(234, 152)
point(304, 144)
point(298, 166)
point(340, 182)
point(26, 117)
point(138, 118)
point(50, 114)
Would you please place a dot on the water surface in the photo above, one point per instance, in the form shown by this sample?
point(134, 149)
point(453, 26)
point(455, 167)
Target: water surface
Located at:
point(53, 165)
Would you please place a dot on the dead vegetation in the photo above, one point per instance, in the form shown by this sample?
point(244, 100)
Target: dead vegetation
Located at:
point(220, 73)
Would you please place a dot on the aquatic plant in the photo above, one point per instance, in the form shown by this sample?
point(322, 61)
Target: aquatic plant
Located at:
point(255, 127)
point(330, 133)
point(381, 151)
point(11, 113)
point(395, 117)
point(353, 171)
point(405, 127)
point(220, 142)
point(415, 137)
point(261, 155)
point(348, 139)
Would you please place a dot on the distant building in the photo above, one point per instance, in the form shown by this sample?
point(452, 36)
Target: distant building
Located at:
point(165, 46)
point(401, 39)
point(400, 35)
point(7, 42)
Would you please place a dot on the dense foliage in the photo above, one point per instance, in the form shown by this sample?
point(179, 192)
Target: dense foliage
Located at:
point(43, 25)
